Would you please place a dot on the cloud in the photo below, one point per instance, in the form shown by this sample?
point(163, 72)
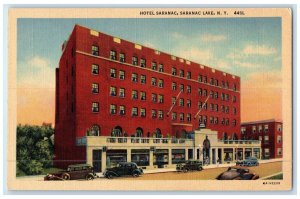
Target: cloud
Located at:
point(149, 44)
point(197, 55)
point(258, 50)
point(245, 64)
point(36, 73)
point(177, 35)
point(223, 65)
point(212, 38)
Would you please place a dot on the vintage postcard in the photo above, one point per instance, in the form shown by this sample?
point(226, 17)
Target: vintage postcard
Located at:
point(150, 99)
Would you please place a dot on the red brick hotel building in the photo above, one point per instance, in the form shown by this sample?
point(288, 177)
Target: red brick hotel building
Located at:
point(107, 86)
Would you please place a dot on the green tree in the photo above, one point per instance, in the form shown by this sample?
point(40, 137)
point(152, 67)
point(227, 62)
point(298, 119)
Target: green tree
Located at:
point(34, 149)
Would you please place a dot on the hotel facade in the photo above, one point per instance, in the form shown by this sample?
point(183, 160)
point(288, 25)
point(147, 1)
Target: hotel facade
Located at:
point(112, 94)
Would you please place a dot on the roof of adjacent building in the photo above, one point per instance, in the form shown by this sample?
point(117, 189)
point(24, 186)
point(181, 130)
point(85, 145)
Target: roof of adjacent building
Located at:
point(262, 121)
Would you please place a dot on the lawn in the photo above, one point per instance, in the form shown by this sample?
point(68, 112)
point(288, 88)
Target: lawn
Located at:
point(45, 171)
point(276, 177)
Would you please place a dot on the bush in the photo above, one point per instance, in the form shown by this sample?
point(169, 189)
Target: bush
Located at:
point(34, 149)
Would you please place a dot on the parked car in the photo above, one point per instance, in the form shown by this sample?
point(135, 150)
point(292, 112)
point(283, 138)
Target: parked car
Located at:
point(190, 165)
point(237, 173)
point(73, 172)
point(249, 161)
point(123, 169)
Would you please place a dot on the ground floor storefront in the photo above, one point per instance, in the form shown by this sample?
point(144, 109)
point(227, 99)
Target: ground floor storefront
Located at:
point(156, 153)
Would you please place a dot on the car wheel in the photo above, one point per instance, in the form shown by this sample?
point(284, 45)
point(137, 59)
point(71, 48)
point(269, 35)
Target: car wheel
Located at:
point(89, 177)
point(66, 176)
point(249, 164)
point(199, 168)
point(109, 176)
point(135, 174)
point(185, 170)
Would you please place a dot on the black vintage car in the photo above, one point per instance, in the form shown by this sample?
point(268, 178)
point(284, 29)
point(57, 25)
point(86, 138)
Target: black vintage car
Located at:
point(123, 169)
point(190, 165)
point(237, 173)
point(73, 172)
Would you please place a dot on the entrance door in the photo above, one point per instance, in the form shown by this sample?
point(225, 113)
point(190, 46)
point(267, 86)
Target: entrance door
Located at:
point(97, 160)
point(190, 154)
point(214, 156)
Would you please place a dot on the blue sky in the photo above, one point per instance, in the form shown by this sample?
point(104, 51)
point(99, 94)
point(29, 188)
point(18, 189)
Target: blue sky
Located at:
point(246, 47)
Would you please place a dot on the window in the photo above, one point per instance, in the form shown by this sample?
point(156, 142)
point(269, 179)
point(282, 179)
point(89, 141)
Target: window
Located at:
point(279, 128)
point(279, 139)
point(153, 65)
point(227, 109)
point(95, 69)
point(181, 73)
point(134, 111)
point(134, 94)
point(211, 94)
point(160, 114)
point(216, 120)
point(216, 107)
point(134, 77)
point(188, 103)
point(204, 119)
point(199, 78)
point(267, 152)
point(205, 79)
point(199, 105)
point(143, 95)
point(205, 106)
point(188, 117)
point(188, 88)
point(204, 92)
point(234, 110)
point(153, 97)
point(161, 68)
point(143, 112)
point(227, 97)
point(216, 95)
point(227, 122)
point(143, 63)
point(122, 92)
point(95, 50)
point(160, 99)
point(113, 109)
point(234, 122)
point(181, 86)
point(223, 121)
point(160, 83)
point(223, 84)
point(174, 116)
point(200, 91)
point(188, 75)
point(95, 107)
point(279, 151)
point(266, 139)
point(223, 108)
point(216, 82)
point(234, 87)
point(122, 57)
point(134, 61)
point(173, 100)
point(211, 107)
point(174, 71)
point(211, 81)
point(266, 127)
point(260, 128)
point(113, 55)
point(113, 73)
point(181, 117)
point(153, 81)
point(122, 74)
point(153, 113)
point(243, 130)
point(143, 79)
point(174, 86)
point(113, 91)
point(181, 102)
point(233, 98)
point(211, 120)
point(253, 129)
point(122, 110)
point(95, 88)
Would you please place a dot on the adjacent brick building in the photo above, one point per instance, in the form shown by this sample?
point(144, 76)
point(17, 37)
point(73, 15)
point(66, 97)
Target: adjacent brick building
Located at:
point(107, 86)
point(269, 132)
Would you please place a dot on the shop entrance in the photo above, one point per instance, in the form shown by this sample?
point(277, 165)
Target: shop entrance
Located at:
point(97, 160)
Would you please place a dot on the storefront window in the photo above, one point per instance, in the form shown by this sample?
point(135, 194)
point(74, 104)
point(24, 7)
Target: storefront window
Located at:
point(140, 156)
point(178, 156)
point(160, 157)
point(113, 157)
